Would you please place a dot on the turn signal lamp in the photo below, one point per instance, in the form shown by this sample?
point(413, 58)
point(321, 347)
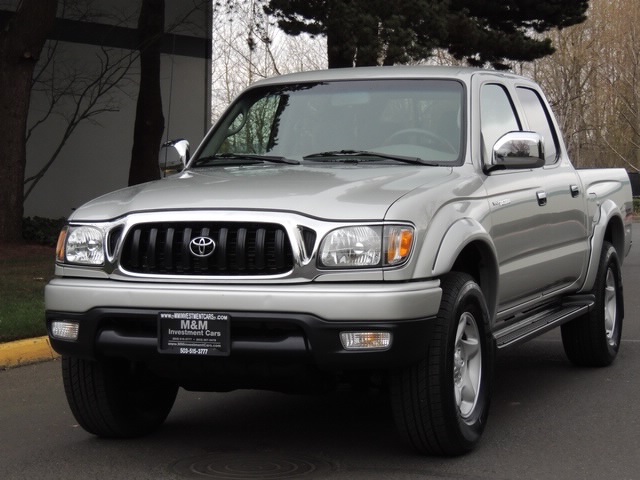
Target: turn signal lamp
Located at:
point(398, 242)
point(62, 240)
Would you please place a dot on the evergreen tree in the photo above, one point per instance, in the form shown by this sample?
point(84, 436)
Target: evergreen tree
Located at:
point(385, 32)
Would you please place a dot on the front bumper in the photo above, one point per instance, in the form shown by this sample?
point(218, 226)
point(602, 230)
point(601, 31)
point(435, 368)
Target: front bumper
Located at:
point(281, 323)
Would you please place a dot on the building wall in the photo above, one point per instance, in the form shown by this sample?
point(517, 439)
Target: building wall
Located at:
point(95, 158)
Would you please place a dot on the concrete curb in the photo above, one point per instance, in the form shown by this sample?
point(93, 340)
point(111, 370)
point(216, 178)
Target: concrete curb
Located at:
point(24, 352)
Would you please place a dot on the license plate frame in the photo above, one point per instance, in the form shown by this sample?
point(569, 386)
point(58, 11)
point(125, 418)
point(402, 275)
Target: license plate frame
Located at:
point(197, 333)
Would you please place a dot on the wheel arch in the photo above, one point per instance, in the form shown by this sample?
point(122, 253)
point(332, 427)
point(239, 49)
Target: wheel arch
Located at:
point(609, 228)
point(614, 234)
point(467, 248)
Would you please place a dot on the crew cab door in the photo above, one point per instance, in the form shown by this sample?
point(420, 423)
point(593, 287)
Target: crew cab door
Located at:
point(564, 247)
point(538, 220)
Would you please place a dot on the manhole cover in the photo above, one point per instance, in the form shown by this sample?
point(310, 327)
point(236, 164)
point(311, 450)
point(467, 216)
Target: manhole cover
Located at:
point(269, 466)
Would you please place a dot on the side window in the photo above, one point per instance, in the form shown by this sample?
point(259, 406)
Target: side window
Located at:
point(539, 121)
point(497, 116)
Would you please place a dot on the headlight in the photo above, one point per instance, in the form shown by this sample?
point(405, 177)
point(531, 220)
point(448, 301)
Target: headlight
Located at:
point(352, 247)
point(366, 246)
point(82, 245)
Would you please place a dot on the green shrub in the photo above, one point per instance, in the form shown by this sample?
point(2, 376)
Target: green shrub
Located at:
point(43, 231)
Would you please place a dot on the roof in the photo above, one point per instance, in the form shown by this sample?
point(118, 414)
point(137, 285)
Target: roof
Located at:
point(360, 73)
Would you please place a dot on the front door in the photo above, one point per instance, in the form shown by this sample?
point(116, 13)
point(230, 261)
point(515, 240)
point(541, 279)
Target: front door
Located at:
point(514, 197)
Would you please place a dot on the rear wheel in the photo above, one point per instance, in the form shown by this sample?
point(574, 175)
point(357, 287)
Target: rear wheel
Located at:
point(593, 340)
point(115, 398)
point(441, 403)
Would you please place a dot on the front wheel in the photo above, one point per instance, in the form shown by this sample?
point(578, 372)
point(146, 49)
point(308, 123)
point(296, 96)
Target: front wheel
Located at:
point(441, 403)
point(593, 340)
point(115, 398)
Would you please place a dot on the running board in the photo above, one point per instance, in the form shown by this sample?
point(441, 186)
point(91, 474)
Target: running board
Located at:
point(541, 321)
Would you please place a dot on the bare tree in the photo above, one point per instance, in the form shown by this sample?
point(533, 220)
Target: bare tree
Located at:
point(247, 46)
point(568, 78)
point(622, 77)
point(593, 81)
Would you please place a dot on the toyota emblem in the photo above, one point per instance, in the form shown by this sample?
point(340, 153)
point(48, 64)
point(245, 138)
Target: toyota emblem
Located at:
point(202, 246)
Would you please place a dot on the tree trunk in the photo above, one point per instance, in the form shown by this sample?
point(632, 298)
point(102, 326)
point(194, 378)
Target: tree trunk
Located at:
point(149, 124)
point(21, 41)
point(341, 51)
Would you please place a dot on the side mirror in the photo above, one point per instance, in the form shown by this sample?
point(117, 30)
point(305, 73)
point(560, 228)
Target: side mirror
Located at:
point(174, 156)
point(518, 150)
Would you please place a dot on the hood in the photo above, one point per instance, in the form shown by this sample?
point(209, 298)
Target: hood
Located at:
point(336, 192)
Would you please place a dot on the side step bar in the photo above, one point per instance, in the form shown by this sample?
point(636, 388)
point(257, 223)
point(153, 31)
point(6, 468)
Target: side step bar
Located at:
point(541, 321)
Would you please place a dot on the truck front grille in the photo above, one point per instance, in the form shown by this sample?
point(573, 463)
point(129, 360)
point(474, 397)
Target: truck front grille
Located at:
point(207, 248)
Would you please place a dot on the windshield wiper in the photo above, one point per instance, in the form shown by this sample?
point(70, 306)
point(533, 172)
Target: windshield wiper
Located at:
point(212, 159)
point(357, 156)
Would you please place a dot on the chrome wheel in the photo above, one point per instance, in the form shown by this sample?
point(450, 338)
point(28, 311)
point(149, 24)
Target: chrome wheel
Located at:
point(610, 307)
point(467, 365)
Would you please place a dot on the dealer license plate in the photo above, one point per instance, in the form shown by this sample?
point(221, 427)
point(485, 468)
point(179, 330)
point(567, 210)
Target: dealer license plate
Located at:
point(193, 333)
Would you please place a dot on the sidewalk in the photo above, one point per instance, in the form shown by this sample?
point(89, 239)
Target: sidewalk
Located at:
point(23, 352)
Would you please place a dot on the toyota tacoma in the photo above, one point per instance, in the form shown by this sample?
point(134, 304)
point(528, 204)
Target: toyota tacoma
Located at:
point(395, 224)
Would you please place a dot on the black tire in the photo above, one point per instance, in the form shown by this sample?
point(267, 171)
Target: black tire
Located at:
point(115, 398)
point(593, 340)
point(432, 405)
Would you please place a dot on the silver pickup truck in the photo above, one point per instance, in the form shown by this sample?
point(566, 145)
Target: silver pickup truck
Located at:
point(386, 225)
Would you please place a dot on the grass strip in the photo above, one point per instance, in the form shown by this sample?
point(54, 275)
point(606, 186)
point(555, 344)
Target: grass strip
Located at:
point(24, 272)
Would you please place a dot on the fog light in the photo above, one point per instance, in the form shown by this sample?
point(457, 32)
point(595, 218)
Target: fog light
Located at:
point(365, 340)
point(64, 330)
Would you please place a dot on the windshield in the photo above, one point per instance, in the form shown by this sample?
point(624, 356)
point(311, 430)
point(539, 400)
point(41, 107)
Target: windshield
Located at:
point(335, 121)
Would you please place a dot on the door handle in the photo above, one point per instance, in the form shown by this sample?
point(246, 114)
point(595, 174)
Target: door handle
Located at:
point(575, 190)
point(542, 198)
